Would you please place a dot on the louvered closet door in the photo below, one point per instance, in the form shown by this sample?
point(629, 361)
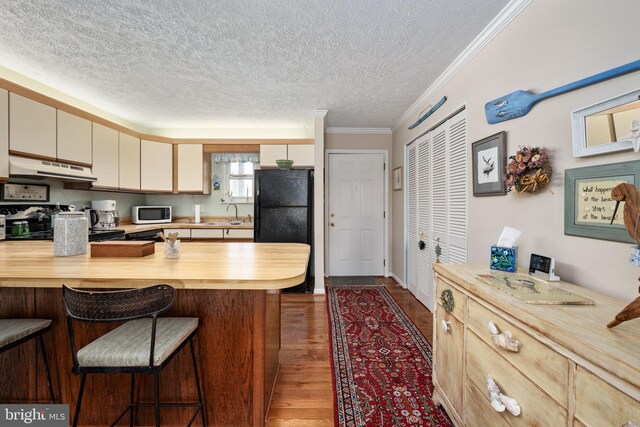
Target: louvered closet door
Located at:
point(412, 237)
point(425, 255)
point(436, 203)
point(457, 192)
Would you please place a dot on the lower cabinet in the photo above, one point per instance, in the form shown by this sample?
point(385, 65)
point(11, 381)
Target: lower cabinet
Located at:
point(212, 233)
point(449, 356)
point(206, 233)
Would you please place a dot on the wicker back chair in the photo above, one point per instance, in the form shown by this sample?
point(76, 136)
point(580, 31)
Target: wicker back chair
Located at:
point(144, 343)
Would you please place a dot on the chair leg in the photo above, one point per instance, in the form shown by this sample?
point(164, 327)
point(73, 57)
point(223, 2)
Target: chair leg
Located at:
point(77, 413)
point(156, 375)
point(46, 368)
point(195, 370)
point(131, 407)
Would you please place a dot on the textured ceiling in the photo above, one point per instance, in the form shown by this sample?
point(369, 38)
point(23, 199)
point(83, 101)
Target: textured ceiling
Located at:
point(241, 63)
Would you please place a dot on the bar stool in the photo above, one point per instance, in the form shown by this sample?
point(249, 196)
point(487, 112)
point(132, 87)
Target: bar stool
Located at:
point(14, 332)
point(144, 344)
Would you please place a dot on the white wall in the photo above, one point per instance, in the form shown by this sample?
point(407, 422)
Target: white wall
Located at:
point(551, 43)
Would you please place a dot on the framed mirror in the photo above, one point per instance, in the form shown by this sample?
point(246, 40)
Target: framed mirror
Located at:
point(608, 126)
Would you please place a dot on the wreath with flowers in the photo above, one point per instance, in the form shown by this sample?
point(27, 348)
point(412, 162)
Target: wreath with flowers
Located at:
point(528, 170)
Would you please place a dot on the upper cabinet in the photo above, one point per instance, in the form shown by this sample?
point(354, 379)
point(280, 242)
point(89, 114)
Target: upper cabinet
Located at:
point(301, 154)
point(129, 162)
point(32, 127)
point(74, 139)
point(156, 166)
point(4, 135)
point(190, 168)
point(270, 153)
point(105, 156)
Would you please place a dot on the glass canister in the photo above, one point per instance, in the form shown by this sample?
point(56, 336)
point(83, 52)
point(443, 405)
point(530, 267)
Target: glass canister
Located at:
point(71, 235)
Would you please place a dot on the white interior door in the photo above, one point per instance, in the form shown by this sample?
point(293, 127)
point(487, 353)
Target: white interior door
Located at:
point(356, 214)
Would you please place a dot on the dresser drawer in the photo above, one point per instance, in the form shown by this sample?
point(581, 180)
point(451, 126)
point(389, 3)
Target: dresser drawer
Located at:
point(600, 404)
point(538, 362)
point(478, 409)
point(537, 408)
point(459, 298)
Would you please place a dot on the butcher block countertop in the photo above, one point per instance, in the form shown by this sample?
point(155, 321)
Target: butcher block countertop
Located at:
point(201, 265)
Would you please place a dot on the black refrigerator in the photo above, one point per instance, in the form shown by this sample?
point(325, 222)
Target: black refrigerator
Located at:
point(283, 211)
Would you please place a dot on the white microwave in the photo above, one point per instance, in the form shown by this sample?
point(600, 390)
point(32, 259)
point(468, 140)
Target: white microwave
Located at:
point(150, 214)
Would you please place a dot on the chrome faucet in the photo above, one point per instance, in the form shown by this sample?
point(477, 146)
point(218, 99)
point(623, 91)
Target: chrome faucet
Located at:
point(232, 204)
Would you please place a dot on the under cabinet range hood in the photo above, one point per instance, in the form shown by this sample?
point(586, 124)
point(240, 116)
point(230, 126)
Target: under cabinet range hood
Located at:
point(32, 168)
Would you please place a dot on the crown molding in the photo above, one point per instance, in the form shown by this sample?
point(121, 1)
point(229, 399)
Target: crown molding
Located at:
point(506, 15)
point(381, 131)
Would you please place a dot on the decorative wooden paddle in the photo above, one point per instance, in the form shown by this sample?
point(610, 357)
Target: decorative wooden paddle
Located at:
point(428, 113)
point(518, 103)
point(629, 194)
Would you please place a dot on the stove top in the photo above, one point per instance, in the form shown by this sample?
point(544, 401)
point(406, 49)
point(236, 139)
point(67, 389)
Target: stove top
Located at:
point(94, 235)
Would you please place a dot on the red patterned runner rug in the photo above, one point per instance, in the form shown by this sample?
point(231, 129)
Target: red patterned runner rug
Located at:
point(381, 362)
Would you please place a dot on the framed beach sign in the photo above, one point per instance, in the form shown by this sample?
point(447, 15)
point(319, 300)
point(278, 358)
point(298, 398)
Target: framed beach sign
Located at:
point(489, 160)
point(588, 206)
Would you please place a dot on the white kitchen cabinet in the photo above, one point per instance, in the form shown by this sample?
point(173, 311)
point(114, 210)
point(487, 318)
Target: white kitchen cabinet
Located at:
point(156, 166)
point(183, 233)
point(129, 174)
point(190, 170)
point(32, 127)
point(238, 233)
point(74, 139)
point(206, 233)
point(4, 134)
point(105, 157)
point(301, 154)
point(270, 153)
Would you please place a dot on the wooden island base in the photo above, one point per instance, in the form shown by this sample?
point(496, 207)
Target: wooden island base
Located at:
point(237, 346)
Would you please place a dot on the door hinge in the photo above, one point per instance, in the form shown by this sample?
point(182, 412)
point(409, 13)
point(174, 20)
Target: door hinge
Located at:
point(384, 166)
point(384, 262)
point(384, 214)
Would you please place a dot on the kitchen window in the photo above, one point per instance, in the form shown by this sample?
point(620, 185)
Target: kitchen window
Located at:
point(239, 181)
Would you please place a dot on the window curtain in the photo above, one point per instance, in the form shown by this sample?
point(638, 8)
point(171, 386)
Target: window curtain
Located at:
point(236, 157)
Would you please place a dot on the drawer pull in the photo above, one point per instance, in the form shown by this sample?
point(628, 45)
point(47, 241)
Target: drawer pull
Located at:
point(499, 401)
point(446, 326)
point(503, 340)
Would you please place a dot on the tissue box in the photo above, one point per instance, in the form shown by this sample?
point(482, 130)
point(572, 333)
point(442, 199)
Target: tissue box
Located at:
point(504, 259)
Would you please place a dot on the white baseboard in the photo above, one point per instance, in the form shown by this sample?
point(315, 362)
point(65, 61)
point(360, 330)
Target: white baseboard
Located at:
point(398, 281)
point(319, 291)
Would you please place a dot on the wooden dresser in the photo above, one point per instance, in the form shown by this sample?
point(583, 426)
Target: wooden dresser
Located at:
point(569, 370)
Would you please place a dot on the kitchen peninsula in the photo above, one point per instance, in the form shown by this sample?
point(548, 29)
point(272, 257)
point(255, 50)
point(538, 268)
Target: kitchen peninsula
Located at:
point(233, 288)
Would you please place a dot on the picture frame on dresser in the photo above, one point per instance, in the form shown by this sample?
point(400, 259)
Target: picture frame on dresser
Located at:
point(489, 160)
point(588, 206)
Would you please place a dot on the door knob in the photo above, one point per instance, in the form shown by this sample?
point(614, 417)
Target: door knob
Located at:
point(333, 224)
point(421, 245)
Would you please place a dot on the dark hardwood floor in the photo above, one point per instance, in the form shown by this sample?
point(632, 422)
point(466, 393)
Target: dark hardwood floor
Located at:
point(303, 394)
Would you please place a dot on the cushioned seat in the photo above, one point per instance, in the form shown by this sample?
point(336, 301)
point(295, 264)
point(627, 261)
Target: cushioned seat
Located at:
point(128, 345)
point(12, 330)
